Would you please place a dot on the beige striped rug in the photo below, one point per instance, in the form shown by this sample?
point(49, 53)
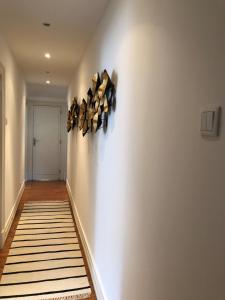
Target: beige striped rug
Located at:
point(45, 261)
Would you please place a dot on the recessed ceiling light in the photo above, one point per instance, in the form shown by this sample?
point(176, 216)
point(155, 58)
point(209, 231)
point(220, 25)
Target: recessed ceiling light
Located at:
point(46, 24)
point(48, 81)
point(48, 55)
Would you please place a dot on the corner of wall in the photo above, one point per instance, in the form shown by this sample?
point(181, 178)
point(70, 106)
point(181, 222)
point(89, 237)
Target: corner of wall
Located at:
point(99, 290)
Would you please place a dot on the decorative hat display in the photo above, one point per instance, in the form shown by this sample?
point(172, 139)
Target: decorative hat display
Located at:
point(90, 115)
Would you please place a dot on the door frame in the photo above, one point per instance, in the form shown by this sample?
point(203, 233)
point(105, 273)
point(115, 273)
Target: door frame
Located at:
point(59, 137)
point(2, 156)
point(30, 126)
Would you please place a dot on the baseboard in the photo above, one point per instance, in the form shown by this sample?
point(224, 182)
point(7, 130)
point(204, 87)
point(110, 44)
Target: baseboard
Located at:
point(99, 290)
point(10, 219)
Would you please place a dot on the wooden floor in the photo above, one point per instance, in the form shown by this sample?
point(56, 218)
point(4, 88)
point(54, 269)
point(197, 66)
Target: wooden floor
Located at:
point(40, 191)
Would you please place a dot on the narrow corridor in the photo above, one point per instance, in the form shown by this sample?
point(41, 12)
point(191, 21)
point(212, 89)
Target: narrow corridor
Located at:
point(117, 108)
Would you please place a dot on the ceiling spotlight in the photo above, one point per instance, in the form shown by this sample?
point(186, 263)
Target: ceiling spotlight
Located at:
point(48, 81)
point(46, 24)
point(48, 55)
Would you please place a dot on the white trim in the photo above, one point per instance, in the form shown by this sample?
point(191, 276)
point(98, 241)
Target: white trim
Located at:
point(2, 154)
point(11, 217)
point(100, 293)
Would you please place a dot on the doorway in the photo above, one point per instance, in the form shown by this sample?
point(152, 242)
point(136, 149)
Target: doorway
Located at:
point(47, 142)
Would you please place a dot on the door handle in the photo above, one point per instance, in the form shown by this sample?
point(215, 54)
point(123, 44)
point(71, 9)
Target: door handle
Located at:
point(34, 142)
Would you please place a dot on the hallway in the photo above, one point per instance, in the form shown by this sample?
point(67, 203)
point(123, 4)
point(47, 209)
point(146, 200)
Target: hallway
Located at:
point(121, 104)
point(37, 199)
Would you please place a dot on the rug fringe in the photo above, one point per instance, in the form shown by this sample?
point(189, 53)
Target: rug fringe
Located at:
point(74, 297)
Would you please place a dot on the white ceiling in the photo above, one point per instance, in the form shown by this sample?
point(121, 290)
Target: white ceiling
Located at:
point(72, 25)
point(36, 91)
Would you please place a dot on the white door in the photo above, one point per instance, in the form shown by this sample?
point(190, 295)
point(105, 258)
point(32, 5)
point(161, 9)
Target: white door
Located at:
point(46, 143)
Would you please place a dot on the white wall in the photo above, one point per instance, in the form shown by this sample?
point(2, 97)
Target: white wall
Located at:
point(150, 193)
point(1, 148)
point(14, 133)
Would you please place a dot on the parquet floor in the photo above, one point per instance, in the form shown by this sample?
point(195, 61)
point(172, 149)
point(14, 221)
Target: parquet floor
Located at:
point(40, 191)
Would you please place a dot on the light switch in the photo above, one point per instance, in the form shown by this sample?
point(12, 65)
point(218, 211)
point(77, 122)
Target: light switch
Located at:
point(210, 122)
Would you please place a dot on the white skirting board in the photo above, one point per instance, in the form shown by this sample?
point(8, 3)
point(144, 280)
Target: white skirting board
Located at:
point(10, 219)
point(99, 290)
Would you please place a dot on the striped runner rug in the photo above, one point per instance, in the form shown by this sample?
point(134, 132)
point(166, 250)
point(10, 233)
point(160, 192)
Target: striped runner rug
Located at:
point(45, 261)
